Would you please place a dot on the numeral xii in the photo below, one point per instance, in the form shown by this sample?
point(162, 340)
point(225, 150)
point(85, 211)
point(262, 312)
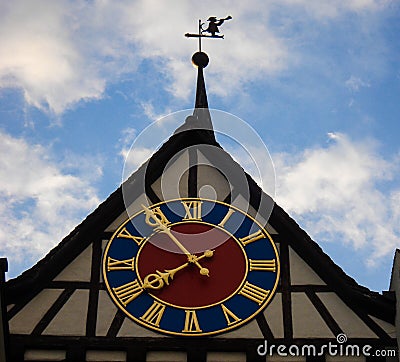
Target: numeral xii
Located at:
point(192, 210)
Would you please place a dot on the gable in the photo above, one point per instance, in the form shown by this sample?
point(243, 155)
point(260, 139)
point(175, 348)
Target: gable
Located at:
point(78, 289)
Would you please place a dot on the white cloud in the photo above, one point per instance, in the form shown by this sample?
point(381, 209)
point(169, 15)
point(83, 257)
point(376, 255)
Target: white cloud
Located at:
point(61, 52)
point(40, 202)
point(38, 53)
point(336, 192)
point(355, 83)
point(334, 8)
point(152, 114)
point(133, 156)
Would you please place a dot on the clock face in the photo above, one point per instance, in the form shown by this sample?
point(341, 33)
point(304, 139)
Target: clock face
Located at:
point(191, 267)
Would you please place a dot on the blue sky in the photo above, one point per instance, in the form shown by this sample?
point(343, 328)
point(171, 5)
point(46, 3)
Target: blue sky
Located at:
point(319, 81)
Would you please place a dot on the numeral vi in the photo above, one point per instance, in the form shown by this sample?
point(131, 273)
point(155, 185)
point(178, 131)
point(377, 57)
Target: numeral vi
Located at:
point(191, 322)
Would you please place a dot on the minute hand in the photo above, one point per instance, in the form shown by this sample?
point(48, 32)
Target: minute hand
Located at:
point(153, 221)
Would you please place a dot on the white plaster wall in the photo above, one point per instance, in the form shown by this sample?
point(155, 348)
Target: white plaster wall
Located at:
point(131, 329)
point(44, 355)
point(307, 322)
point(274, 316)
point(390, 329)
point(211, 184)
point(105, 356)
point(165, 356)
point(79, 270)
point(71, 319)
point(106, 311)
point(28, 317)
point(173, 183)
point(348, 321)
point(300, 272)
point(249, 330)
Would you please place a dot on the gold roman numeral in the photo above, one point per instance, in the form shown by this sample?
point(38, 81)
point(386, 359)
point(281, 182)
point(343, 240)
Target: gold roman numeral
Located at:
point(263, 265)
point(254, 293)
point(191, 322)
point(154, 314)
point(192, 209)
point(252, 237)
point(124, 233)
point(230, 317)
point(160, 216)
point(115, 264)
point(226, 218)
point(128, 292)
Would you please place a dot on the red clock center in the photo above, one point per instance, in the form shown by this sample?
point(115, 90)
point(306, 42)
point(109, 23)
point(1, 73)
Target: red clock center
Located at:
point(188, 288)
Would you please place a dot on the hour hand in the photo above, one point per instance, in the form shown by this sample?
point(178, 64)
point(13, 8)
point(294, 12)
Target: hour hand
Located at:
point(158, 279)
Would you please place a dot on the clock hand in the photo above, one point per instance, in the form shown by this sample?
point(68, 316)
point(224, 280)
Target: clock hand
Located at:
point(159, 279)
point(153, 221)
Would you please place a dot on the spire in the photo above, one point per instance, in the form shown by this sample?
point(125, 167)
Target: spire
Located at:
point(201, 111)
point(201, 118)
point(201, 60)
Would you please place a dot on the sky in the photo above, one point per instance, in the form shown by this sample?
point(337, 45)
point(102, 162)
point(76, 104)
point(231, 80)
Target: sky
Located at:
point(318, 81)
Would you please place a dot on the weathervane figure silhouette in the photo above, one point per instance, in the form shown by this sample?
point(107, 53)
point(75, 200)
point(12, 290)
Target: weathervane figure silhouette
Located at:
point(213, 24)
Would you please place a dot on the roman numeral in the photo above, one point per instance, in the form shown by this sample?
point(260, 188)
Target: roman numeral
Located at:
point(191, 322)
point(263, 265)
point(252, 237)
point(115, 264)
point(124, 233)
point(230, 317)
point(226, 218)
point(154, 314)
point(192, 209)
point(254, 293)
point(160, 216)
point(128, 292)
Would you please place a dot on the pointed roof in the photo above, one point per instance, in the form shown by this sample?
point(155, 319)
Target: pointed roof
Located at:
point(201, 60)
point(201, 118)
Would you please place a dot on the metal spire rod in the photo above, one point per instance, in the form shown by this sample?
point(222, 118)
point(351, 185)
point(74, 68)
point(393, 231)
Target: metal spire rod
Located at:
point(199, 35)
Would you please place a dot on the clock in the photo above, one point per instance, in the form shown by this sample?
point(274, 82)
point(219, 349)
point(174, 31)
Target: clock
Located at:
point(191, 267)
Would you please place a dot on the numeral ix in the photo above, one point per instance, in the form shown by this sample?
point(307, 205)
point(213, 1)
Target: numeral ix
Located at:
point(115, 264)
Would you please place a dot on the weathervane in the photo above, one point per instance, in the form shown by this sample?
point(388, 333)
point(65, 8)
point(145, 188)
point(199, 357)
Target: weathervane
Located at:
point(213, 24)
